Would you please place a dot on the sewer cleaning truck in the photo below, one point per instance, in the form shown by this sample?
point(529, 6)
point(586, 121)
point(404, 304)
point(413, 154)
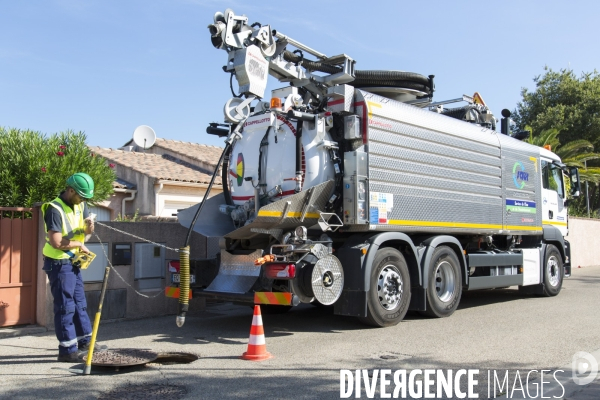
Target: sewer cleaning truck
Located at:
point(354, 189)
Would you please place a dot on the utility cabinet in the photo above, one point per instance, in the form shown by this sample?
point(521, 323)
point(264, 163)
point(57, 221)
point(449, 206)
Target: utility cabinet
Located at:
point(96, 269)
point(149, 265)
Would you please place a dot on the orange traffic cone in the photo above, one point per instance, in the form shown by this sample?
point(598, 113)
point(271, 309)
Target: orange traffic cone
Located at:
point(257, 348)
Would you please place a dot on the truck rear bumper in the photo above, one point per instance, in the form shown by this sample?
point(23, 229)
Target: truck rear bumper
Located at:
point(270, 298)
point(235, 297)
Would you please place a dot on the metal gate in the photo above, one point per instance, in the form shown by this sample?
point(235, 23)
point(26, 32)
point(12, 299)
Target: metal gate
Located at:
point(18, 265)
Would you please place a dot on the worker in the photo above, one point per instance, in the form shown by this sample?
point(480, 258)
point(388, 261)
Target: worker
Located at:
point(68, 221)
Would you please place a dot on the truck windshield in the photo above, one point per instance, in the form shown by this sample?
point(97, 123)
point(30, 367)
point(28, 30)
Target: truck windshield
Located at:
point(552, 178)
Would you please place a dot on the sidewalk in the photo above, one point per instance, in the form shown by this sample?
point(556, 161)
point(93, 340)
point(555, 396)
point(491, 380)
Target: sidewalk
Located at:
point(27, 330)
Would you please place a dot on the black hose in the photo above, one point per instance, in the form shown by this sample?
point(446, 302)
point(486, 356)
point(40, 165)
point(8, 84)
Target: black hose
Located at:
point(212, 180)
point(264, 142)
point(299, 148)
point(402, 79)
point(310, 65)
point(231, 86)
point(225, 178)
point(382, 75)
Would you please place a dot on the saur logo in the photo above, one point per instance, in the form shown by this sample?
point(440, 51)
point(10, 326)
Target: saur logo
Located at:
point(239, 170)
point(519, 175)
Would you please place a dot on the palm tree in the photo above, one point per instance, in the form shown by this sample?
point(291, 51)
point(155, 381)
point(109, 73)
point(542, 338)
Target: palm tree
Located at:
point(572, 154)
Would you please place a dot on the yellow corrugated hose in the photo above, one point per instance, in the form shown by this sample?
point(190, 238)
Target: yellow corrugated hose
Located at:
point(184, 284)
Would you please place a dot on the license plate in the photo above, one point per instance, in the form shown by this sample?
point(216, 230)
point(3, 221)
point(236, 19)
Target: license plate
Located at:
point(175, 278)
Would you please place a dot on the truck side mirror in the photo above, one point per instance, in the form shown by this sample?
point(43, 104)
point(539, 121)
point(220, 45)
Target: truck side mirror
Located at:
point(575, 183)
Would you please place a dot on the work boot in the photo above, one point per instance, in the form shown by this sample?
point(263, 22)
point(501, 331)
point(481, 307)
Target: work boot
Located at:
point(97, 347)
point(71, 357)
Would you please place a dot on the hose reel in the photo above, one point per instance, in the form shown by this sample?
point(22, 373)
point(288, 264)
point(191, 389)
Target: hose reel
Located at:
point(322, 280)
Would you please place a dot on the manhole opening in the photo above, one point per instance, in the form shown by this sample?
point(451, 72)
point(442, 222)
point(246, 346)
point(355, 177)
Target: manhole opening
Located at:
point(175, 358)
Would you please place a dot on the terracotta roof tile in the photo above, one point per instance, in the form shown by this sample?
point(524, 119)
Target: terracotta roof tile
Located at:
point(206, 153)
point(122, 184)
point(156, 166)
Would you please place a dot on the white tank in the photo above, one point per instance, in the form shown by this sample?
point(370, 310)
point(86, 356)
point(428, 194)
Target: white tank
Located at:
point(279, 156)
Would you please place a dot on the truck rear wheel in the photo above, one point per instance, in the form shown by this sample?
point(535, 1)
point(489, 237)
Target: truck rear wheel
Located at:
point(553, 271)
point(445, 283)
point(389, 290)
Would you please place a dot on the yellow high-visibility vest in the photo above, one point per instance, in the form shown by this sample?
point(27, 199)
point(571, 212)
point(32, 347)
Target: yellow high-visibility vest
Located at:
point(73, 227)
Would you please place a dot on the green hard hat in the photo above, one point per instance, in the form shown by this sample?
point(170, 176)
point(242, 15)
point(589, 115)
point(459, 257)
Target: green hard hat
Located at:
point(83, 184)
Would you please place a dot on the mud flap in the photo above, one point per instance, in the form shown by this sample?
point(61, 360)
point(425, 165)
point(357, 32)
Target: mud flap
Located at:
point(352, 303)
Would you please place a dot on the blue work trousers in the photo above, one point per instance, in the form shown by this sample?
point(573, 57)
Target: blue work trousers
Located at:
point(71, 321)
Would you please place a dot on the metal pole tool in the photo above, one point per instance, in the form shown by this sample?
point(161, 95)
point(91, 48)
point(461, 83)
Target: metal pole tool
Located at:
point(88, 361)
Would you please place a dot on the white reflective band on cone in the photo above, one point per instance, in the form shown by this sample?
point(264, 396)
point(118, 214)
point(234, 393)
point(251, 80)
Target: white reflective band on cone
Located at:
point(257, 340)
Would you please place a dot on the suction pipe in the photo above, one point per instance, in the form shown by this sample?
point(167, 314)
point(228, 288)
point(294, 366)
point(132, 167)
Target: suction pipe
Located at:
point(184, 252)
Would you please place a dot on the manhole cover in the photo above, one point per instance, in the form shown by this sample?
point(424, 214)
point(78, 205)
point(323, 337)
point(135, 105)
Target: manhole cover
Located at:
point(122, 357)
point(145, 392)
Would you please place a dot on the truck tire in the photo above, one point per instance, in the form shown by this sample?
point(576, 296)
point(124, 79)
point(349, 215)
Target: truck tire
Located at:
point(389, 292)
point(553, 271)
point(444, 287)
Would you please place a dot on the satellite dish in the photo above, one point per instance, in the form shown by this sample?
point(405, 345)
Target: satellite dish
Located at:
point(144, 136)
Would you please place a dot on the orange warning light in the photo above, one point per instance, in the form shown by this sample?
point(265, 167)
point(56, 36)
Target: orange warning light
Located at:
point(276, 103)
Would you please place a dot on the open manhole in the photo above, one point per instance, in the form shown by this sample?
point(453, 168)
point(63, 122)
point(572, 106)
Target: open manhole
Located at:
point(146, 392)
point(175, 358)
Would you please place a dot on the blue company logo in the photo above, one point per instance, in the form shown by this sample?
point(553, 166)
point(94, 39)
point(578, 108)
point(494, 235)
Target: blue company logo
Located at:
point(519, 175)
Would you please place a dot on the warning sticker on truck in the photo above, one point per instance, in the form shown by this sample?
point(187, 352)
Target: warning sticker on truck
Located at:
point(380, 205)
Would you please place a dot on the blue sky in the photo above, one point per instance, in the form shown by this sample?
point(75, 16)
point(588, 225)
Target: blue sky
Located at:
point(106, 67)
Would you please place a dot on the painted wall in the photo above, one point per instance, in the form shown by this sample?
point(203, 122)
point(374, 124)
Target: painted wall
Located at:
point(174, 197)
point(584, 236)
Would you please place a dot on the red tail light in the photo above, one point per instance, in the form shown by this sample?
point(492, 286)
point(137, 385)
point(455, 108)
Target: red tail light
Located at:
point(280, 270)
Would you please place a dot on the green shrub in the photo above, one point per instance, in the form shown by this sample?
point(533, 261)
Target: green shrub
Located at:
point(34, 167)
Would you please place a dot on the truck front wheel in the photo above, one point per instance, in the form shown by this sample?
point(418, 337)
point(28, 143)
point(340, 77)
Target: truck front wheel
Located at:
point(445, 283)
point(553, 271)
point(389, 290)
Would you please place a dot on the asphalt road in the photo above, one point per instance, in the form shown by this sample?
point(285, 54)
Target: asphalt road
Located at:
point(493, 330)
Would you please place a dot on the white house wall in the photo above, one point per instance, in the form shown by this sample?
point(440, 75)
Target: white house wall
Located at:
point(144, 199)
point(172, 198)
